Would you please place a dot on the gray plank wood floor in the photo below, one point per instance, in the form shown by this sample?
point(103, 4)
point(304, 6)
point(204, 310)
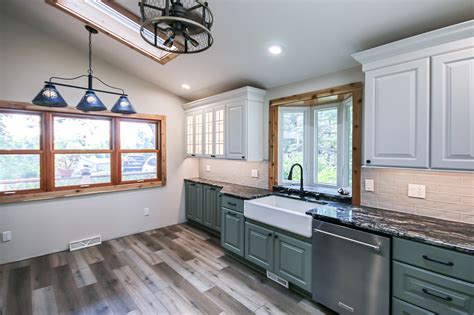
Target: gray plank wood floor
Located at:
point(172, 270)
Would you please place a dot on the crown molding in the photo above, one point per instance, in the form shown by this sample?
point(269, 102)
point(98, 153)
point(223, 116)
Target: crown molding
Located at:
point(441, 36)
point(245, 93)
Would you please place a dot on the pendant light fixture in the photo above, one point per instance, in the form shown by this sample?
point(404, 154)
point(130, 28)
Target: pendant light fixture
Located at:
point(49, 95)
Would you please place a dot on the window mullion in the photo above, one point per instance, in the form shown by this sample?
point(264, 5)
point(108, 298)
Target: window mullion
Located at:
point(48, 172)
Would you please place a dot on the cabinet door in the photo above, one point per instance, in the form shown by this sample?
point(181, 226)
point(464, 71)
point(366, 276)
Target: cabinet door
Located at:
point(208, 136)
point(293, 260)
point(218, 217)
point(190, 200)
point(452, 140)
point(259, 245)
point(232, 234)
point(199, 208)
point(219, 132)
point(236, 131)
point(210, 202)
point(198, 134)
point(189, 123)
point(396, 122)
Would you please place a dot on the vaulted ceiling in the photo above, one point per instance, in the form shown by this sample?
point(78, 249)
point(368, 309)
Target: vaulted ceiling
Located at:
point(317, 36)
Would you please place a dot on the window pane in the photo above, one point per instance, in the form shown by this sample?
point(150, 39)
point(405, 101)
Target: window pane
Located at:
point(198, 133)
point(19, 131)
point(137, 166)
point(326, 150)
point(293, 142)
point(19, 172)
point(81, 169)
point(81, 134)
point(137, 135)
point(220, 132)
point(349, 142)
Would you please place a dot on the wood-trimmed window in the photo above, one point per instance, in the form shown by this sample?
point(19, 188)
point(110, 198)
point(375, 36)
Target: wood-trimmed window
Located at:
point(55, 152)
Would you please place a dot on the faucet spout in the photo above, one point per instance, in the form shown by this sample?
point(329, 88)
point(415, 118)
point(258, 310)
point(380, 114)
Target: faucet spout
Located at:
point(290, 177)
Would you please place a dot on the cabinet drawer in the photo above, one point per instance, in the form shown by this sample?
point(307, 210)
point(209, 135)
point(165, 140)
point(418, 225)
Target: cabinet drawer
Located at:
point(431, 291)
point(233, 203)
point(444, 261)
point(400, 307)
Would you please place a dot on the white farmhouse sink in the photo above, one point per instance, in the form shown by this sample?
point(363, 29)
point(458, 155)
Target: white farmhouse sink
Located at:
point(285, 213)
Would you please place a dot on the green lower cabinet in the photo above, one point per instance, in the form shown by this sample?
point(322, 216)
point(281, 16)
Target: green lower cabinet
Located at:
point(286, 256)
point(209, 206)
point(400, 307)
point(218, 213)
point(259, 245)
point(190, 199)
point(199, 208)
point(432, 291)
point(232, 234)
point(293, 260)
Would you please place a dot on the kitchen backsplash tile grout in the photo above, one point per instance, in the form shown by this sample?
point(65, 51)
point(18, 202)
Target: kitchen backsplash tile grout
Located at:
point(449, 195)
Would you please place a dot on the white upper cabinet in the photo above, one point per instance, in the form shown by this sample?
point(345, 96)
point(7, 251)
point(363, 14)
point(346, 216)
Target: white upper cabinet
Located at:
point(231, 125)
point(397, 115)
point(419, 100)
point(453, 110)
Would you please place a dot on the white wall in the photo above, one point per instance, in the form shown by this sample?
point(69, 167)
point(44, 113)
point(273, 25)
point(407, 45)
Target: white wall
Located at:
point(27, 58)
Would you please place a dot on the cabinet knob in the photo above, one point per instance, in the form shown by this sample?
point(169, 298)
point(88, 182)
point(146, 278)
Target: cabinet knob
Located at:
point(269, 234)
point(276, 236)
point(243, 157)
point(367, 161)
point(213, 156)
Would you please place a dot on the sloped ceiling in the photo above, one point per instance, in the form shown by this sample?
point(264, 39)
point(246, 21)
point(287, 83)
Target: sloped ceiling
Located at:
point(318, 37)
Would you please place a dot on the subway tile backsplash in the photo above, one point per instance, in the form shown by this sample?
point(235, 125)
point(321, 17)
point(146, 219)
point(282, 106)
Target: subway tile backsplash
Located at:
point(234, 171)
point(449, 195)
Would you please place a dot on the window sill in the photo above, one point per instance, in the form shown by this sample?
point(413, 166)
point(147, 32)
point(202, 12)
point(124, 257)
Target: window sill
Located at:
point(6, 199)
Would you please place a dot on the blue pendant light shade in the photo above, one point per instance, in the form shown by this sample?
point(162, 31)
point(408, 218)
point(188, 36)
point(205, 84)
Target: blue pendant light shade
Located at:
point(49, 96)
point(123, 106)
point(90, 102)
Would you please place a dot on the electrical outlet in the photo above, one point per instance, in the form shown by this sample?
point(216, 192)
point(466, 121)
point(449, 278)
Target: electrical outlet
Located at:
point(7, 236)
point(254, 173)
point(146, 211)
point(369, 185)
point(208, 168)
point(417, 191)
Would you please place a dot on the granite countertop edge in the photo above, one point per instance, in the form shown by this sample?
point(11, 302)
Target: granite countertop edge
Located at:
point(234, 190)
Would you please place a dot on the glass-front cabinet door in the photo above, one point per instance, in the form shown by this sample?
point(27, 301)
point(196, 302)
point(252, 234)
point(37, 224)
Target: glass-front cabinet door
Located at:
point(219, 131)
point(194, 133)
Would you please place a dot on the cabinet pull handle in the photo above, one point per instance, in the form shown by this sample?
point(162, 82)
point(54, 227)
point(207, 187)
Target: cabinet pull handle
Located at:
point(213, 156)
point(192, 184)
point(446, 297)
point(275, 236)
point(243, 157)
point(212, 189)
point(368, 161)
point(193, 154)
point(270, 234)
point(437, 261)
point(232, 214)
point(231, 204)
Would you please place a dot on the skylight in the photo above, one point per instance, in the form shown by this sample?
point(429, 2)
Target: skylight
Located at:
point(115, 21)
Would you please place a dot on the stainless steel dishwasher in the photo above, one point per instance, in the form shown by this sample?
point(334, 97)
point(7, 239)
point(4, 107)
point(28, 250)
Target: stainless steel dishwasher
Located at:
point(351, 270)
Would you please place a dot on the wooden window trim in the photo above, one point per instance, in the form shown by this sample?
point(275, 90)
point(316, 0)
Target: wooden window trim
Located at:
point(311, 99)
point(47, 189)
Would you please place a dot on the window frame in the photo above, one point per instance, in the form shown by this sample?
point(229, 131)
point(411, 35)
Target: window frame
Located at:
point(47, 152)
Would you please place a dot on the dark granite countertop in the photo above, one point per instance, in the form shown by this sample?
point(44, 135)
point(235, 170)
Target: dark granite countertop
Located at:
point(234, 190)
point(448, 234)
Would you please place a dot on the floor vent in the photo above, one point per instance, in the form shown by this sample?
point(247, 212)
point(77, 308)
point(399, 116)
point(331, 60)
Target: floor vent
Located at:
point(277, 279)
point(87, 242)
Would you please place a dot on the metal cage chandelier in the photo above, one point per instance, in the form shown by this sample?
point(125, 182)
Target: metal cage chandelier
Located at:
point(177, 26)
point(49, 95)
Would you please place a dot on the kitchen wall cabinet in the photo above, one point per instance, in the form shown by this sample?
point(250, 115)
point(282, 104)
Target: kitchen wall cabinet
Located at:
point(397, 115)
point(419, 101)
point(227, 125)
point(453, 110)
point(203, 204)
point(277, 252)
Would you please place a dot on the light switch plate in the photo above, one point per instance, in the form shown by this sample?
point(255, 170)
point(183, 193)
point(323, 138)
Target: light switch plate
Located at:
point(254, 173)
point(369, 185)
point(417, 191)
point(7, 236)
point(208, 168)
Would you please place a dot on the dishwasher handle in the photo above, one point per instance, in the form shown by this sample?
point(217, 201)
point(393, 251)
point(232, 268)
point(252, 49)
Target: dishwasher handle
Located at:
point(376, 248)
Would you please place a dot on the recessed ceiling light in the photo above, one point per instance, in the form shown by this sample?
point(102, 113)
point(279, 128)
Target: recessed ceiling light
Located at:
point(275, 49)
point(185, 86)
